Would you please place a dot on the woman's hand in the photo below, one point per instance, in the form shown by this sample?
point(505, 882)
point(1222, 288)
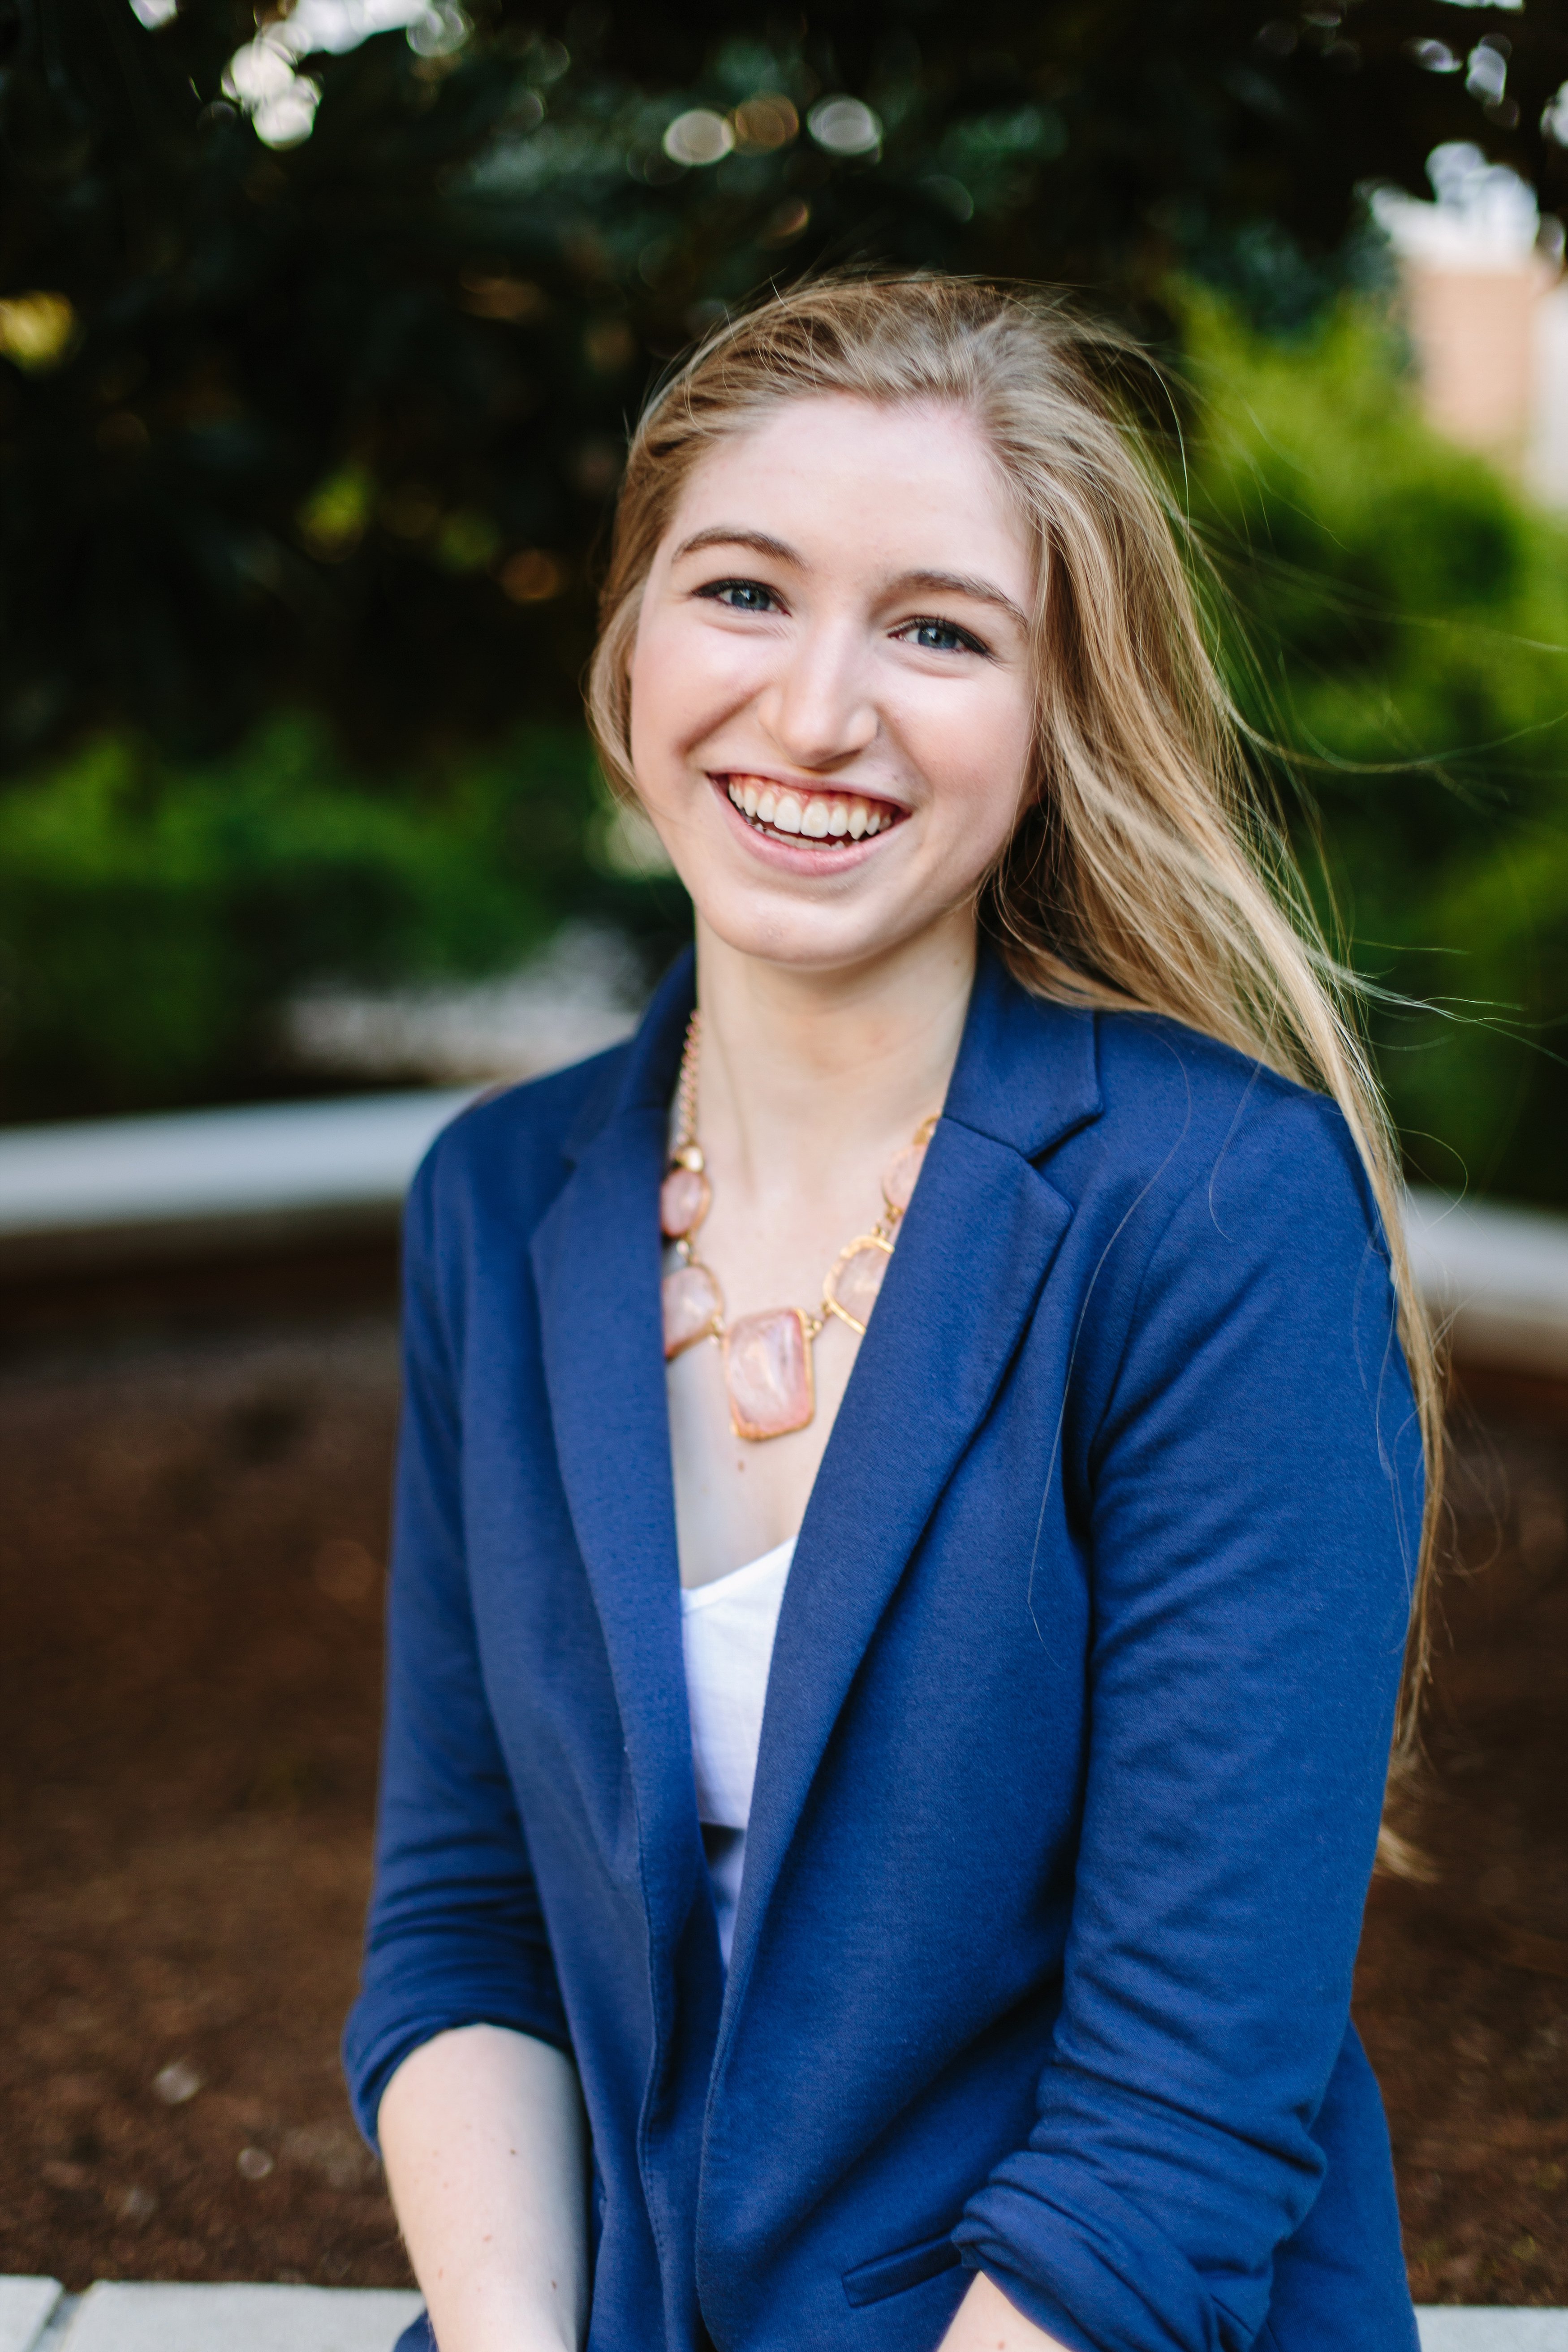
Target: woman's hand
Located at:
point(486, 2151)
point(986, 2321)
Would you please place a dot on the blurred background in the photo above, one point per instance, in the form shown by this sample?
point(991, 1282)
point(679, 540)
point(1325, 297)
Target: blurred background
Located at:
point(322, 327)
point(320, 339)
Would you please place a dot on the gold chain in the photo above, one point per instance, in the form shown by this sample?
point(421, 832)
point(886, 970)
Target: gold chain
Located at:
point(687, 1152)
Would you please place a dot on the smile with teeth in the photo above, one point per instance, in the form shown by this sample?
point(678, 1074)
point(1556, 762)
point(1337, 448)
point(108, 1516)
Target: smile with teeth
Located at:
point(817, 816)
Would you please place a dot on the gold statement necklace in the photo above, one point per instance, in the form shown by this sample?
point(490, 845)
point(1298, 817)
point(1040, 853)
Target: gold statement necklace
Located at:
point(767, 1357)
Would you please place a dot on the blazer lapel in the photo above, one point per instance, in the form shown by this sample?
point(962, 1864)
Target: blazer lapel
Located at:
point(975, 1249)
point(596, 1268)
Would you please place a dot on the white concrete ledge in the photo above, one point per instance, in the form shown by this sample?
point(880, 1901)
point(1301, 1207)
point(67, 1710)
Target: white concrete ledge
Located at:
point(115, 1190)
point(1498, 1277)
point(1483, 2329)
point(26, 2306)
point(115, 2316)
point(118, 2317)
point(274, 1175)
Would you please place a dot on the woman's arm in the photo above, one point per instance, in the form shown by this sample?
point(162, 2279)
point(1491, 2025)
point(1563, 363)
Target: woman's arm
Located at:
point(1254, 1491)
point(986, 2321)
point(482, 2132)
point(479, 2121)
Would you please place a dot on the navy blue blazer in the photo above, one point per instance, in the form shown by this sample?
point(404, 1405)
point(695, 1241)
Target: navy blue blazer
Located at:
point(1075, 1737)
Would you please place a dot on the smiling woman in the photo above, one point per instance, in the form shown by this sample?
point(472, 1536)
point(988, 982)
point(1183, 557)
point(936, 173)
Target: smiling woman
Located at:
point(834, 744)
point(913, 1474)
point(846, 684)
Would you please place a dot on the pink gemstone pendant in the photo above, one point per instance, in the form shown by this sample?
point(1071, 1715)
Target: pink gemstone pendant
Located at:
point(767, 1372)
point(855, 1278)
point(683, 1201)
point(691, 1307)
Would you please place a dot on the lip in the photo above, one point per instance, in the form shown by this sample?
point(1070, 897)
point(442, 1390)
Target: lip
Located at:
point(824, 855)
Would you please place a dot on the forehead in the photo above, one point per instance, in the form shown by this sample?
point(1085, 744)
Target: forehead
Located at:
point(911, 486)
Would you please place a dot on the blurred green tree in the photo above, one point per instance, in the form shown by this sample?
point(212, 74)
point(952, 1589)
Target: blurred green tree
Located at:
point(335, 421)
point(1399, 619)
point(157, 918)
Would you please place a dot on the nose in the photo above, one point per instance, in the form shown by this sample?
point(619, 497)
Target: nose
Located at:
point(819, 708)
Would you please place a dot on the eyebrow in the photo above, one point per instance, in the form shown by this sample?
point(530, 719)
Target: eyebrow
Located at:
point(734, 535)
point(964, 584)
point(937, 583)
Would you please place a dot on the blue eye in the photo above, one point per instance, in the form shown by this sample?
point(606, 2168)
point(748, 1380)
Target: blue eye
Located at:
point(940, 638)
point(741, 595)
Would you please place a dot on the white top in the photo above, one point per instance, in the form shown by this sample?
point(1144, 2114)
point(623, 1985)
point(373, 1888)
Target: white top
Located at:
point(727, 1632)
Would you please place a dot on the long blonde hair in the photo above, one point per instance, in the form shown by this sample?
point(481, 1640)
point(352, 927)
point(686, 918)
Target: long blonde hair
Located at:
point(1144, 873)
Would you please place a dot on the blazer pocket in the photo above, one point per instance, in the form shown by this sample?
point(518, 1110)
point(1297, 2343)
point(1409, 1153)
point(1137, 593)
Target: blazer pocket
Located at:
point(891, 2274)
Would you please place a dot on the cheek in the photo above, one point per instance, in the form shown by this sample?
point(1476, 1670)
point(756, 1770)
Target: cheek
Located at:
point(975, 752)
point(684, 679)
point(652, 697)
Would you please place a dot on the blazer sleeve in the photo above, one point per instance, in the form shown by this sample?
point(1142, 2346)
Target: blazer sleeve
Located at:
point(455, 1934)
point(1254, 1494)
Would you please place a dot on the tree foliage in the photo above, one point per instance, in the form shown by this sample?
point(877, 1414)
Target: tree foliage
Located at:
point(339, 425)
point(157, 918)
point(1404, 629)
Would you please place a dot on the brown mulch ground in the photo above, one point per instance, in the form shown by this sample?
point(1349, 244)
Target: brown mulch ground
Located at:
point(190, 1547)
point(190, 1550)
point(1463, 1983)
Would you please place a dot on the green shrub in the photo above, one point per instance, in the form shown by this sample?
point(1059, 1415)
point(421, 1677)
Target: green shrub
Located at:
point(1401, 621)
point(152, 922)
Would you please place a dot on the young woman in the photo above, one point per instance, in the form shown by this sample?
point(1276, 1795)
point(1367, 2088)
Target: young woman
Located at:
point(887, 1734)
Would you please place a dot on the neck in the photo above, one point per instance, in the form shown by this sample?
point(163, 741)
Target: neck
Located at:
point(799, 1065)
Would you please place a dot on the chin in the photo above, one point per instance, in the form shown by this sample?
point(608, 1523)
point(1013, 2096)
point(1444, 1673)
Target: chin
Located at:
point(809, 939)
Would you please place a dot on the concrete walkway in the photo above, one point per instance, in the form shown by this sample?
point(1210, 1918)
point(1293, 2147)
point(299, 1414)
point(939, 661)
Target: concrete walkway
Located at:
point(119, 2317)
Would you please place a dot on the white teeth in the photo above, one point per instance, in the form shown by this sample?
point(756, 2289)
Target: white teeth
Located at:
point(811, 814)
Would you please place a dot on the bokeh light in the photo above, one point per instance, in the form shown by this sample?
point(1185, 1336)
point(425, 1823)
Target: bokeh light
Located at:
point(698, 136)
point(261, 78)
point(765, 123)
point(531, 576)
point(37, 330)
point(845, 126)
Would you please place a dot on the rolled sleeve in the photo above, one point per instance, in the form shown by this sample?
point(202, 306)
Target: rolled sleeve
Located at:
point(456, 1934)
point(1254, 1498)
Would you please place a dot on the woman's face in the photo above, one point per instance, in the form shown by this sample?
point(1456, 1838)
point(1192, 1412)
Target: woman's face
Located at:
point(831, 695)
